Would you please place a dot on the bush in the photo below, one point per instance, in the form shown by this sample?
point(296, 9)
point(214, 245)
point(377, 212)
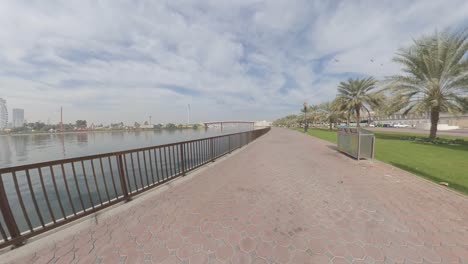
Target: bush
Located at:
point(171, 126)
point(436, 141)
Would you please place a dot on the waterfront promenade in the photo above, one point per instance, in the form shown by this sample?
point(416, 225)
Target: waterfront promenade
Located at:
point(285, 198)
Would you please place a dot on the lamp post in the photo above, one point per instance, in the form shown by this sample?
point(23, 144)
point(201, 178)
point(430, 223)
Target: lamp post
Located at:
point(306, 125)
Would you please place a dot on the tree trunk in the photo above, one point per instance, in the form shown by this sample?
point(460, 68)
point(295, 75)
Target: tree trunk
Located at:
point(358, 117)
point(331, 124)
point(306, 125)
point(348, 118)
point(434, 121)
point(368, 118)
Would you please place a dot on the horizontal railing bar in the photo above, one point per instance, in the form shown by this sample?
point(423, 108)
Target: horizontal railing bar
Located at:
point(69, 218)
point(103, 155)
point(52, 226)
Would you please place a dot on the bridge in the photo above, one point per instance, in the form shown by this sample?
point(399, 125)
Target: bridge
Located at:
point(222, 123)
point(286, 198)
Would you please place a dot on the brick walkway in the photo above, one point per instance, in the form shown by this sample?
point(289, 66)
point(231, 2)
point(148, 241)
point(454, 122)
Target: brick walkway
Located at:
point(287, 198)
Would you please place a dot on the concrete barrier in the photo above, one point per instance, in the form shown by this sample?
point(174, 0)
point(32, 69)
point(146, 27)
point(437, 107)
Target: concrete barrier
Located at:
point(442, 127)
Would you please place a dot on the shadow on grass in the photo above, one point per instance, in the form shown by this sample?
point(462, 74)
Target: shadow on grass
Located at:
point(452, 185)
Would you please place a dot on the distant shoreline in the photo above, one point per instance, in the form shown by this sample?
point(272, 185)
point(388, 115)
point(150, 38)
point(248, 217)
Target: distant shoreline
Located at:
point(94, 131)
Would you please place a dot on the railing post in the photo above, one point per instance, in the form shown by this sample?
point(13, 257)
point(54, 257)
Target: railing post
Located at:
point(8, 214)
point(229, 143)
point(123, 181)
point(182, 158)
point(212, 149)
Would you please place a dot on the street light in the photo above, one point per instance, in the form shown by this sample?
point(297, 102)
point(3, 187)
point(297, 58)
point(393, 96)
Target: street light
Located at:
point(306, 125)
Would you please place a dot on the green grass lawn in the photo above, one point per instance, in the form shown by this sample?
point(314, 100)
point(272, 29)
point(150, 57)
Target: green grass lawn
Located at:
point(439, 163)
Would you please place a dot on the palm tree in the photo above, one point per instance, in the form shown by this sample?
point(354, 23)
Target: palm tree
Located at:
point(435, 76)
point(331, 112)
point(356, 95)
point(288, 121)
point(343, 107)
point(313, 114)
point(305, 110)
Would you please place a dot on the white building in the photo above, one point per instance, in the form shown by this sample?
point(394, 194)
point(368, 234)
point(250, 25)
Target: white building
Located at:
point(263, 123)
point(422, 121)
point(3, 114)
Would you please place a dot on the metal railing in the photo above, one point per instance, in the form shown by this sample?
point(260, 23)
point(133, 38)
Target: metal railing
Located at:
point(38, 197)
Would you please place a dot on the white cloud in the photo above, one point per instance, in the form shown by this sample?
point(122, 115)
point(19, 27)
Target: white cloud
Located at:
point(107, 61)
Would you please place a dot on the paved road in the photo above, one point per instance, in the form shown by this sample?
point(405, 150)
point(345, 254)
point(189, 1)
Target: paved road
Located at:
point(456, 133)
point(286, 198)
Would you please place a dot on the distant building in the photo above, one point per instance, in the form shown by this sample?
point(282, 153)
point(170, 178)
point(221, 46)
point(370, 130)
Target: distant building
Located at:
point(263, 123)
point(147, 126)
point(18, 117)
point(3, 114)
point(423, 120)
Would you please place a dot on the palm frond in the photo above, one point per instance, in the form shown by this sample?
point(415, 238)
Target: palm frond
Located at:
point(436, 74)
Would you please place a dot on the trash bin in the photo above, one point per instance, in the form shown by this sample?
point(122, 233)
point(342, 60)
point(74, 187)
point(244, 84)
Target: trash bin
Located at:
point(356, 142)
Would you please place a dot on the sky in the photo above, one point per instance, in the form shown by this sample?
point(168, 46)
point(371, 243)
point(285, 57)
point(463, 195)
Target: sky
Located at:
point(121, 60)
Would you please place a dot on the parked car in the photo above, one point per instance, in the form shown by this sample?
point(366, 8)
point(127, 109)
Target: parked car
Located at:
point(387, 125)
point(401, 125)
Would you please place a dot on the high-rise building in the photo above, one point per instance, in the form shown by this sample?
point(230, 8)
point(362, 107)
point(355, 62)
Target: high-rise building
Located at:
point(18, 117)
point(3, 114)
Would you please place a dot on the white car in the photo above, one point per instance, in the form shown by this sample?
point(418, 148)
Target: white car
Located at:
point(401, 125)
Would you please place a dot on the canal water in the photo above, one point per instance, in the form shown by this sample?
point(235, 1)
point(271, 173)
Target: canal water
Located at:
point(74, 194)
point(26, 149)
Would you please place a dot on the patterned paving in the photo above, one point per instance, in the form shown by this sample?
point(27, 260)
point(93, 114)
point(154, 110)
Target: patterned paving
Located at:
point(287, 198)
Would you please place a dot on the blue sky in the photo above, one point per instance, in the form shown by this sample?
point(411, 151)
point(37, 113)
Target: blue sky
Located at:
point(109, 61)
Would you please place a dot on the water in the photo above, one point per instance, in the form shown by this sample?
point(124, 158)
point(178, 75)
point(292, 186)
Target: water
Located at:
point(97, 181)
point(26, 149)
